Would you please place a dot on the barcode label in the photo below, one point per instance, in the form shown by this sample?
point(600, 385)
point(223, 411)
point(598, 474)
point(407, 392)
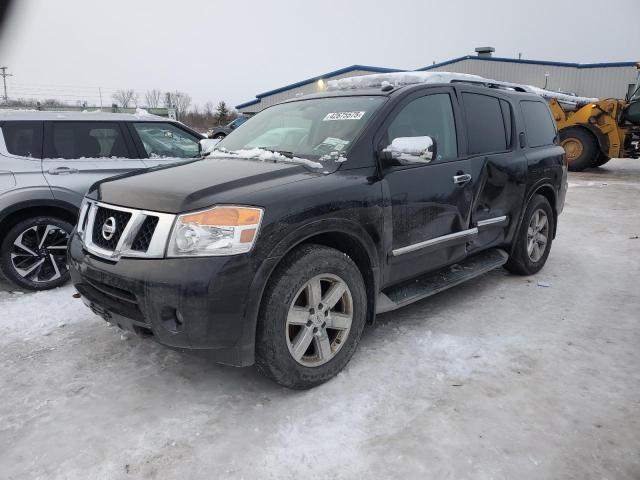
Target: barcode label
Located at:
point(343, 116)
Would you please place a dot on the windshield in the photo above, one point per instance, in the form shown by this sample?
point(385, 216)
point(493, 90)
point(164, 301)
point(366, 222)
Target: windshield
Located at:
point(315, 129)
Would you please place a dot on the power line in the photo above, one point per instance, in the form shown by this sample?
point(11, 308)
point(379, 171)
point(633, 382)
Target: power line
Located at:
point(4, 81)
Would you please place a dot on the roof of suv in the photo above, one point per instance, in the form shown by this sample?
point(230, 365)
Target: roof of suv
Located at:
point(36, 115)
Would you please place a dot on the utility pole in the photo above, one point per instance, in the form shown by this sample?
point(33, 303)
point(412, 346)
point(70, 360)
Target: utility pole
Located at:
point(4, 82)
point(100, 93)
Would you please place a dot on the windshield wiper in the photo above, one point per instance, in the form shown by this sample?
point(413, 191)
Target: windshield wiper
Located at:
point(284, 153)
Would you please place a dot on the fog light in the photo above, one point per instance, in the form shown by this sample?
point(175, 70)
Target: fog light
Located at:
point(171, 319)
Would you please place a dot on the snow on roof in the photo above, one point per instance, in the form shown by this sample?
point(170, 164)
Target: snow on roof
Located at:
point(398, 79)
point(17, 114)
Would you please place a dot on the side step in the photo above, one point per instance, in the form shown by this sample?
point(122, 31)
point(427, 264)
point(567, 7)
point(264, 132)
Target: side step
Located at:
point(434, 282)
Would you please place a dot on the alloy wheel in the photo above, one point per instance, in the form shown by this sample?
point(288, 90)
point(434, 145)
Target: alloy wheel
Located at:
point(319, 320)
point(537, 235)
point(39, 254)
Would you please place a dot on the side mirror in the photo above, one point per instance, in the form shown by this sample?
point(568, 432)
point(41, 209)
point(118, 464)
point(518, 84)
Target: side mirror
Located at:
point(207, 145)
point(410, 150)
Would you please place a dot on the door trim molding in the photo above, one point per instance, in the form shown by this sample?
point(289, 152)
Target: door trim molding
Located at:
point(435, 241)
point(491, 221)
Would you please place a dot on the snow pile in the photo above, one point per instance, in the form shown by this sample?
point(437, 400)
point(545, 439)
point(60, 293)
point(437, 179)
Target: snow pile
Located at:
point(263, 155)
point(37, 314)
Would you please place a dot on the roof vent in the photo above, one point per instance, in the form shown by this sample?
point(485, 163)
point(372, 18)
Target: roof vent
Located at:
point(485, 51)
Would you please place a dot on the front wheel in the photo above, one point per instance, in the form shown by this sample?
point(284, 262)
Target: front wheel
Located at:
point(33, 254)
point(311, 318)
point(534, 237)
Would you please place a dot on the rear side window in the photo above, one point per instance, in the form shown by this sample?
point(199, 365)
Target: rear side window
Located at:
point(485, 123)
point(431, 115)
point(23, 138)
point(75, 140)
point(508, 122)
point(541, 129)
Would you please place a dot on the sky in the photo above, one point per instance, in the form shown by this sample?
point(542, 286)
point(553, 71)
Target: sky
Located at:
point(232, 50)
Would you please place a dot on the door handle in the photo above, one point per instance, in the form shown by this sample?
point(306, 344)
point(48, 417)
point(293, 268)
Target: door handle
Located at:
point(460, 179)
point(62, 170)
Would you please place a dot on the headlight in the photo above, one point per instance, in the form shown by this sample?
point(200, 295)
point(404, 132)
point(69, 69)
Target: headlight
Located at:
point(225, 230)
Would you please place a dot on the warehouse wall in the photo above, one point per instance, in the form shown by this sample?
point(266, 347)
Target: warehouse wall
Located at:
point(600, 82)
point(606, 82)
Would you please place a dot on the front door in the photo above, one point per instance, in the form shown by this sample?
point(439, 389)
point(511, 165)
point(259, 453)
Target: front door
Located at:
point(78, 154)
point(430, 202)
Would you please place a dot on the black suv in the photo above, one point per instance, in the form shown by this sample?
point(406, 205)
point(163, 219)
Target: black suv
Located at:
point(319, 213)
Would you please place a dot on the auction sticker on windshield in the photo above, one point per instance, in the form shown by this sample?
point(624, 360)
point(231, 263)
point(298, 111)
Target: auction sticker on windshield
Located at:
point(343, 116)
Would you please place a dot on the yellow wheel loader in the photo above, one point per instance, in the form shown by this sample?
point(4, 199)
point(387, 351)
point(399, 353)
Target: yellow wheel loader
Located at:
point(594, 132)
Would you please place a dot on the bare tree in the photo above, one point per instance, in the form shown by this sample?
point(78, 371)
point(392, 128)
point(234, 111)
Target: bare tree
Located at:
point(208, 109)
point(153, 98)
point(180, 101)
point(125, 97)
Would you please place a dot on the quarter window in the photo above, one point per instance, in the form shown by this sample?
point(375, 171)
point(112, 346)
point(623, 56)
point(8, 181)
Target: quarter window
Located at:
point(485, 123)
point(23, 138)
point(541, 129)
point(76, 140)
point(164, 140)
point(432, 116)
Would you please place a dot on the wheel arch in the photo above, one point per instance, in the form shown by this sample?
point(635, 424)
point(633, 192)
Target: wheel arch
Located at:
point(549, 192)
point(20, 211)
point(343, 235)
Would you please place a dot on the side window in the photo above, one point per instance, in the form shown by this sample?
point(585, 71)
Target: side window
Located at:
point(485, 123)
point(539, 124)
point(76, 140)
point(430, 115)
point(164, 140)
point(23, 139)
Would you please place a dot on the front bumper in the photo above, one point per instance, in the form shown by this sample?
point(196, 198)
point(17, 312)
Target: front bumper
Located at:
point(203, 304)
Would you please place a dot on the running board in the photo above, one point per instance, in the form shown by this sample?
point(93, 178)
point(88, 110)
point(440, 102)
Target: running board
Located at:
point(435, 282)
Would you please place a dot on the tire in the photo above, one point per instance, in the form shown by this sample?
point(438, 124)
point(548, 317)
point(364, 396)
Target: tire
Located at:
point(32, 262)
point(581, 148)
point(522, 261)
point(602, 159)
point(286, 306)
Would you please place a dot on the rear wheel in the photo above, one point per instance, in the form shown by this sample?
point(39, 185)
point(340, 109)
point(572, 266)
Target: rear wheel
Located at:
point(580, 147)
point(534, 237)
point(311, 319)
point(33, 254)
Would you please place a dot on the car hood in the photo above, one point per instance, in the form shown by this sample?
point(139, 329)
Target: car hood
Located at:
point(198, 184)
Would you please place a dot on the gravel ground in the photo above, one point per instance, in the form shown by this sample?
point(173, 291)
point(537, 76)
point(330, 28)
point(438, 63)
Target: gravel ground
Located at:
point(503, 377)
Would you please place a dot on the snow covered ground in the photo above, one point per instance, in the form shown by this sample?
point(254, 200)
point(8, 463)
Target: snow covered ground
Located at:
point(504, 377)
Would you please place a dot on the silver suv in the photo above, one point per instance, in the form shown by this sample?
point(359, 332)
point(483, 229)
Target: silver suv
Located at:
point(48, 160)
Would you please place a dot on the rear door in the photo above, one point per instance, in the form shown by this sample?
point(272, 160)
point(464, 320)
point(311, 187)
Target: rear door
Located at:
point(164, 143)
point(430, 203)
point(78, 154)
point(497, 164)
point(20, 160)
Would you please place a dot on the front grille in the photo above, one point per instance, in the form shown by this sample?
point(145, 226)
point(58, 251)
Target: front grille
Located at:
point(102, 214)
point(143, 238)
